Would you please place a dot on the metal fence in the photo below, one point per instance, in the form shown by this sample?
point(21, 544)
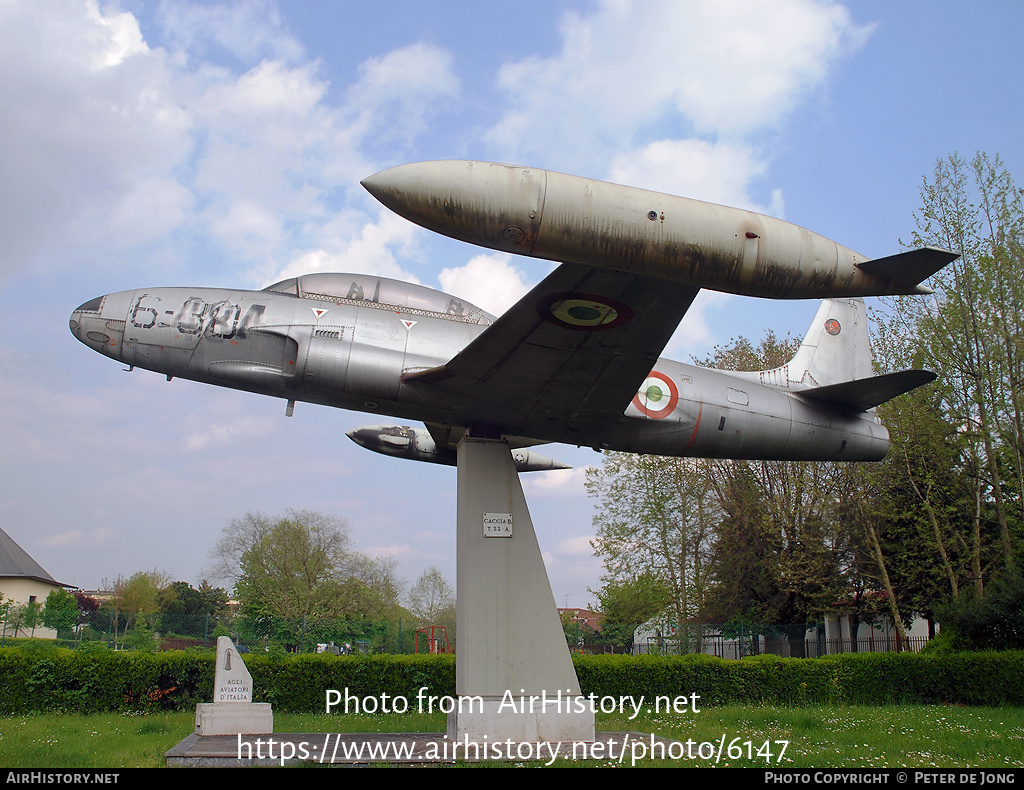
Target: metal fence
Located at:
point(106, 629)
point(788, 641)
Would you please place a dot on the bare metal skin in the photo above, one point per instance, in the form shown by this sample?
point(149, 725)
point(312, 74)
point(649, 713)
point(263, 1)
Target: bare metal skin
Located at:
point(560, 217)
point(575, 361)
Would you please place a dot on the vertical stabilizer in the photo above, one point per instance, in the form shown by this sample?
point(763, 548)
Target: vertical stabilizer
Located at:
point(836, 349)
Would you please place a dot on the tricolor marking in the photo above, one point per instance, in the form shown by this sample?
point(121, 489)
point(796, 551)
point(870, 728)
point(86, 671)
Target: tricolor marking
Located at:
point(658, 396)
point(585, 312)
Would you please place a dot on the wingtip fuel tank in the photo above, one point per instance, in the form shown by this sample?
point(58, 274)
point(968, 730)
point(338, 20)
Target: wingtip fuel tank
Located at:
point(416, 444)
point(560, 217)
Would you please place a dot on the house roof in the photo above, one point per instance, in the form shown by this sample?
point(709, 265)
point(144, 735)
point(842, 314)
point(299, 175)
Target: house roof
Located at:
point(15, 562)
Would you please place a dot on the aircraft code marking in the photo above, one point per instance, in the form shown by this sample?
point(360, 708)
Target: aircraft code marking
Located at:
point(586, 312)
point(197, 317)
point(657, 397)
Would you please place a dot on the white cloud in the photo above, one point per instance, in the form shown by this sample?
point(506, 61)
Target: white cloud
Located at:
point(367, 249)
point(279, 162)
point(713, 172)
point(647, 86)
point(579, 546)
point(248, 30)
point(80, 537)
point(725, 67)
point(125, 36)
point(693, 337)
point(106, 140)
point(489, 281)
point(399, 93)
point(215, 434)
point(89, 118)
point(396, 550)
point(557, 482)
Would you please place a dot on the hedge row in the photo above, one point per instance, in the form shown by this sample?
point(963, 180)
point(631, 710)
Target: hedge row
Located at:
point(994, 678)
point(96, 682)
point(90, 682)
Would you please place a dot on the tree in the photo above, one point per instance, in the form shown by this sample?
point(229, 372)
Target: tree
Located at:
point(780, 541)
point(134, 598)
point(629, 603)
point(142, 591)
point(60, 612)
point(992, 622)
point(655, 519)
point(23, 618)
point(88, 607)
point(182, 606)
point(432, 598)
point(744, 563)
point(971, 491)
point(302, 565)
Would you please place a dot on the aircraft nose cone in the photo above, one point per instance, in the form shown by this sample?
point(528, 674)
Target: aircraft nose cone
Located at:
point(360, 436)
point(99, 323)
point(82, 315)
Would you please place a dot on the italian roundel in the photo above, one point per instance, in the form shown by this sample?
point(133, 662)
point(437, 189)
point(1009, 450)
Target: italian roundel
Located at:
point(657, 397)
point(584, 311)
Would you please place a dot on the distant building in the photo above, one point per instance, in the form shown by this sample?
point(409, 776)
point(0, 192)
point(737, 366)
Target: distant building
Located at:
point(23, 580)
point(593, 620)
point(737, 640)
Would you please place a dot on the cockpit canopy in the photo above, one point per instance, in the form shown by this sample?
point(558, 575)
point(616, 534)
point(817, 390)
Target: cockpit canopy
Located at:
point(382, 291)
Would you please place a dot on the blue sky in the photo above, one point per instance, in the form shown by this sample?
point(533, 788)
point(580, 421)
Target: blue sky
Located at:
point(207, 143)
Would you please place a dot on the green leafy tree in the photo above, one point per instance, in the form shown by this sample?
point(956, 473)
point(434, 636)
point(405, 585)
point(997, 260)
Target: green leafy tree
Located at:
point(778, 549)
point(60, 612)
point(994, 621)
point(133, 599)
point(744, 563)
point(184, 609)
point(969, 334)
point(22, 619)
point(655, 519)
point(629, 603)
point(431, 599)
point(301, 567)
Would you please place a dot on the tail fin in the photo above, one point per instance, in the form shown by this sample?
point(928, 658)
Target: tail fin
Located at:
point(835, 349)
point(833, 364)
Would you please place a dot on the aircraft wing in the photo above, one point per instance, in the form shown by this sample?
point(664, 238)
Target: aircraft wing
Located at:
point(573, 351)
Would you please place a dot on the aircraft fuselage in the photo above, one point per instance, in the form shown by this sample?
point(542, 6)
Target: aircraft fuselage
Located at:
point(354, 352)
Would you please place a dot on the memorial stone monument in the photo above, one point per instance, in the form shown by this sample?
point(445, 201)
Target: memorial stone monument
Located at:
point(232, 710)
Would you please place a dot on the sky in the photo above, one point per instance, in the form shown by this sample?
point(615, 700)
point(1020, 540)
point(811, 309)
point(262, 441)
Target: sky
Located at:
point(152, 144)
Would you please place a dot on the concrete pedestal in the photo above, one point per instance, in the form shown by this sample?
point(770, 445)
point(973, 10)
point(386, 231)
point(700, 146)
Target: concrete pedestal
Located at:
point(512, 652)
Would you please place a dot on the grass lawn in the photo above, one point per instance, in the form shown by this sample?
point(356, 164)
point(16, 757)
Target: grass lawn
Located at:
point(909, 736)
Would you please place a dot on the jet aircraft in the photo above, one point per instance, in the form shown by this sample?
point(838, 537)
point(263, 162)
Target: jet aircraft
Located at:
point(574, 361)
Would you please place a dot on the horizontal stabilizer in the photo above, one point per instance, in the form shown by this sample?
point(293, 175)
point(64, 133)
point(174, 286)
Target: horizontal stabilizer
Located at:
point(864, 394)
point(910, 268)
